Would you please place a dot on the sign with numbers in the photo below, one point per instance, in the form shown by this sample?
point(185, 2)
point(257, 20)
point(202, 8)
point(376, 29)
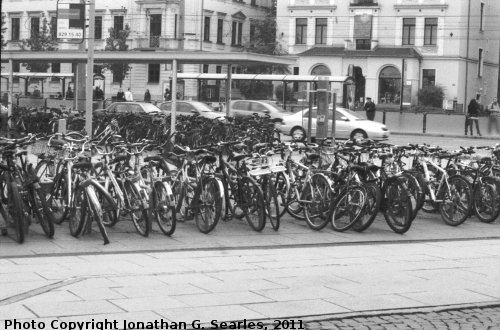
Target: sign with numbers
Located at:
point(70, 20)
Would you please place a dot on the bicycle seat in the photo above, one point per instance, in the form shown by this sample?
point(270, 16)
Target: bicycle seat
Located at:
point(83, 165)
point(153, 158)
point(209, 159)
point(237, 157)
point(119, 158)
point(312, 157)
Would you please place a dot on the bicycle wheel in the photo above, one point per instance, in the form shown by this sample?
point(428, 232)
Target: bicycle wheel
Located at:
point(95, 209)
point(78, 212)
point(45, 170)
point(288, 197)
point(163, 207)
point(138, 209)
point(398, 206)
point(251, 202)
point(271, 202)
point(371, 207)
point(428, 206)
point(207, 205)
point(16, 213)
point(347, 208)
point(58, 200)
point(485, 199)
point(42, 211)
point(316, 198)
point(457, 201)
point(416, 193)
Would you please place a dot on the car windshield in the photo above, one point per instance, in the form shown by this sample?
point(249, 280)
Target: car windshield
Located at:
point(202, 107)
point(354, 114)
point(274, 106)
point(148, 107)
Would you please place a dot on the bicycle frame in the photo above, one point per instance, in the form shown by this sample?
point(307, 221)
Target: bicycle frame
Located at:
point(444, 178)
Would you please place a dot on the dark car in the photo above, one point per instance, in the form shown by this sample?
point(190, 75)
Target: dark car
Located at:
point(130, 107)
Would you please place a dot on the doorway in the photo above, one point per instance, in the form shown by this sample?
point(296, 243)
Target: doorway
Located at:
point(154, 30)
point(389, 85)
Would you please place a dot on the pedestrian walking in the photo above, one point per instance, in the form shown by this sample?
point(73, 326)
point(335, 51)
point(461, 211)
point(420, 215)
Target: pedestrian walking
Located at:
point(128, 96)
point(370, 108)
point(494, 118)
point(167, 96)
point(69, 94)
point(120, 96)
point(472, 116)
point(147, 96)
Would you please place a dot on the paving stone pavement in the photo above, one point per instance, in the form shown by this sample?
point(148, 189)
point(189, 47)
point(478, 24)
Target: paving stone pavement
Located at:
point(487, 318)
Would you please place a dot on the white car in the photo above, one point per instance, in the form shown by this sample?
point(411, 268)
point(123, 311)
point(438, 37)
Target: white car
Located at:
point(262, 108)
point(348, 125)
point(189, 108)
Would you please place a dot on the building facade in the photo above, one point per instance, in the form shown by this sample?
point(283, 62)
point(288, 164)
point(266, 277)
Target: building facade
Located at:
point(394, 47)
point(207, 25)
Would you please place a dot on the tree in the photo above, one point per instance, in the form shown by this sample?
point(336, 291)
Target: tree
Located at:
point(431, 96)
point(3, 43)
point(117, 41)
point(42, 40)
point(263, 41)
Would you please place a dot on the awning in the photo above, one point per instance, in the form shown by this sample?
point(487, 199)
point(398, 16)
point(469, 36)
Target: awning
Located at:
point(263, 77)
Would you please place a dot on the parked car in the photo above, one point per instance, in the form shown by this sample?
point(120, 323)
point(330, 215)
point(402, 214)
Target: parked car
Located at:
point(262, 108)
point(130, 107)
point(348, 124)
point(189, 108)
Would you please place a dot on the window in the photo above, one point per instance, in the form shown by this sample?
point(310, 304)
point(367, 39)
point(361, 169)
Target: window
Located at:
point(409, 31)
point(233, 33)
point(16, 68)
point(220, 30)
point(98, 28)
point(481, 27)
point(480, 63)
point(153, 73)
point(15, 28)
point(295, 84)
point(175, 27)
point(205, 68)
point(206, 29)
point(252, 33)
point(321, 25)
point(218, 69)
point(35, 26)
point(240, 30)
point(117, 24)
point(116, 79)
point(428, 78)
point(430, 32)
point(300, 31)
point(56, 67)
point(363, 44)
point(53, 27)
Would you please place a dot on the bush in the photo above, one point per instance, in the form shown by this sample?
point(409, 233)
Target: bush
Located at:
point(431, 96)
point(278, 91)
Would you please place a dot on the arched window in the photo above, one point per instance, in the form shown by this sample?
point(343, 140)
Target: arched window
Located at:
point(389, 85)
point(320, 70)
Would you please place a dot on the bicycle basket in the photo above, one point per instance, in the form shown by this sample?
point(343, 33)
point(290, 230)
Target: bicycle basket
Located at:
point(40, 147)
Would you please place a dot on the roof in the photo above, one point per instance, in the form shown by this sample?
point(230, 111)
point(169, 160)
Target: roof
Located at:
point(262, 77)
point(183, 56)
point(377, 52)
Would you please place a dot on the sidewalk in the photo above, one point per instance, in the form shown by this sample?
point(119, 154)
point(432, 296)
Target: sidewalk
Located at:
point(255, 284)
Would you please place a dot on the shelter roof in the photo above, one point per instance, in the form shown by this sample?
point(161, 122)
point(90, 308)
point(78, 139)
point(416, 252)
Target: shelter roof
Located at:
point(399, 52)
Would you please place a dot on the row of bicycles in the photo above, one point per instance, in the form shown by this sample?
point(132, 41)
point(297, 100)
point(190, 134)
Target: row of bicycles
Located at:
point(100, 181)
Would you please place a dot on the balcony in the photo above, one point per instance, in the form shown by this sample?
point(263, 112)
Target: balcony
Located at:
point(363, 3)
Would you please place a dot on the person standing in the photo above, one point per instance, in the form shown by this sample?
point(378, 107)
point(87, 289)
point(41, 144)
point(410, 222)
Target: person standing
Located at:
point(120, 96)
point(370, 108)
point(472, 116)
point(494, 119)
point(128, 95)
point(69, 94)
point(166, 96)
point(147, 96)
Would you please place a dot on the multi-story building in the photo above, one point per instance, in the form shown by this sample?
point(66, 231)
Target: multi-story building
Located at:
point(387, 44)
point(206, 25)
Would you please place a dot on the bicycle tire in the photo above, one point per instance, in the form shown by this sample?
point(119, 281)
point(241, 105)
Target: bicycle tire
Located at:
point(251, 202)
point(96, 211)
point(45, 170)
point(207, 205)
point(271, 202)
point(16, 212)
point(138, 209)
point(288, 197)
point(458, 198)
point(42, 209)
point(347, 208)
point(58, 201)
point(78, 212)
point(316, 197)
point(416, 193)
point(371, 207)
point(485, 203)
point(428, 206)
point(397, 206)
point(163, 208)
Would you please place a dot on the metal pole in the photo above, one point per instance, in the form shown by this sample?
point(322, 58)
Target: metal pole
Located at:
point(402, 85)
point(174, 96)
point(90, 69)
point(228, 88)
point(334, 117)
point(11, 90)
point(309, 117)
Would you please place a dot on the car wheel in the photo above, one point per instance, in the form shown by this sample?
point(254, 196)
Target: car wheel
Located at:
point(298, 134)
point(358, 134)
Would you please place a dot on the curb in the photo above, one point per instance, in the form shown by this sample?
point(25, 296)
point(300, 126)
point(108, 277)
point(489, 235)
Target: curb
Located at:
point(448, 136)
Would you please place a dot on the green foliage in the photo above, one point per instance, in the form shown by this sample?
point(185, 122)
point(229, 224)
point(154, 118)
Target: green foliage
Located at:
point(431, 96)
point(255, 90)
point(4, 28)
point(117, 41)
point(41, 41)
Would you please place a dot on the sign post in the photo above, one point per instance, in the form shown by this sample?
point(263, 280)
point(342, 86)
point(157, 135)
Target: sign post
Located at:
point(70, 21)
point(90, 70)
point(322, 114)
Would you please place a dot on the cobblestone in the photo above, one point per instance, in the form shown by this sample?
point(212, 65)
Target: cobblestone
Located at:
point(473, 318)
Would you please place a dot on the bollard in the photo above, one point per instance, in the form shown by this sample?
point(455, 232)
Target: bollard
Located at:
point(61, 126)
point(424, 128)
point(383, 117)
